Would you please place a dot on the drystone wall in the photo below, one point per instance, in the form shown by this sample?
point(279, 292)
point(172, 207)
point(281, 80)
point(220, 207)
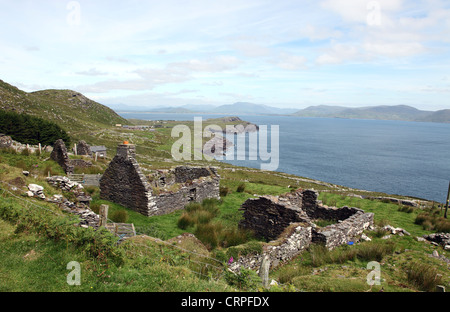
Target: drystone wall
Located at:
point(83, 148)
point(278, 252)
point(292, 215)
point(59, 154)
point(168, 191)
point(268, 216)
point(343, 232)
point(125, 184)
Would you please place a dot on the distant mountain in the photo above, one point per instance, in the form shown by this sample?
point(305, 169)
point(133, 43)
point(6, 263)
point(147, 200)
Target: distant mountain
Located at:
point(438, 116)
point(252, 109)
point(384, 112)
point(242, 108)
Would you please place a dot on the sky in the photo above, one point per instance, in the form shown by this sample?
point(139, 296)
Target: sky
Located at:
point(284, 53)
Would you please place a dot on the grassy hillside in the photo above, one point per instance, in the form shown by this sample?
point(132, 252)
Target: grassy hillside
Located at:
point(69, 109)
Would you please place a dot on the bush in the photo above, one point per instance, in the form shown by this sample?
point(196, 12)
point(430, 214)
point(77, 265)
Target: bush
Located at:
point(185, 221)
point(224, 191)
point(423, 276)
point(431, 221)
point(202, 216)
point(245, 280)
point(208, 234)
point(407, 209)
point(29, 129)
point(241, 188)
point(119, 216)
point(233, 237)
point(191, 207)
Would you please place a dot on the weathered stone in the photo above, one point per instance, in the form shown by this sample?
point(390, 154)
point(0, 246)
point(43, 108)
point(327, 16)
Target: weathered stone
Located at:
point(292, 215)
point(83, 148)
point(5, 141)
point(59, 154)
point(35, 188)
point(124, 183)
point(442, 239)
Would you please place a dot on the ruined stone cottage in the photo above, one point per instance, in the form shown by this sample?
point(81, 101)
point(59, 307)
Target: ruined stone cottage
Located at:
point(61, 156)
point(161, 193)
point(269, 216)
point(288, 222)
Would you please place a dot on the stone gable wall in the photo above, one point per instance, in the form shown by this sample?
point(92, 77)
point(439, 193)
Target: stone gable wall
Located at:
point(125, 184)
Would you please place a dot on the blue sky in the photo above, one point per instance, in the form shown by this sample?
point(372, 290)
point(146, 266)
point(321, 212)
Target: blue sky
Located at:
point(280, 53)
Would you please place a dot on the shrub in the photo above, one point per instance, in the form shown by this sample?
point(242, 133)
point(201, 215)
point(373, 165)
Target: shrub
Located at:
point(241, 188)
point(407, 209)
point(224, 191)
point(185, 221)
point(119, 216)
point(443, 225)
point(233, 237)
point(208, 234)
point(369, 251)
point(25, 152)
point(421, 218)
point(191, 207)
point(202, 216)
point(245, 280)
point(423, 276)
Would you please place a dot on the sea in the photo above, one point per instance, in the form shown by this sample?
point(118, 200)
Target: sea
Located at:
point(393, 157)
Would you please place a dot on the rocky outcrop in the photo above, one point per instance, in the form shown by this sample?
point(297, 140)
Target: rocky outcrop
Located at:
point(35, 190)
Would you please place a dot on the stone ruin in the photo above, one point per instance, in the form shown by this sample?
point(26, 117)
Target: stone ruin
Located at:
point(60, 155)
point(287, 221)
point(82, 148)
point(161, 193)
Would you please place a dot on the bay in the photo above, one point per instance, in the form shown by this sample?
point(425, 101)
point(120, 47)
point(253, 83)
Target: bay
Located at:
point(394, 157)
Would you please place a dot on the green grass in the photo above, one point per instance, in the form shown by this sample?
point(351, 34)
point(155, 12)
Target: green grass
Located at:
point(384, 212)
point(31, 263)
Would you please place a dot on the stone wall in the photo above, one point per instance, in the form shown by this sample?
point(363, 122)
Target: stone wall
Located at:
point(59, 154)
point(343, 232)
point(124, 183)
point(268, 216)
point(80, 163)
point(83, 148)
point(292, 215)
point(280, 251)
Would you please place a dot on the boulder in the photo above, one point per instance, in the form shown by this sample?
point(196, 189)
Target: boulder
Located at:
point(35, 188)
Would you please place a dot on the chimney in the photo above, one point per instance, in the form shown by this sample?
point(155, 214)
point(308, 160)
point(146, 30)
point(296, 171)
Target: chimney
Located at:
point(126, 150)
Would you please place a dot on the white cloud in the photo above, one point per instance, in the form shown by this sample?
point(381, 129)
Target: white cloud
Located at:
point(339, 53)
point(291, 62)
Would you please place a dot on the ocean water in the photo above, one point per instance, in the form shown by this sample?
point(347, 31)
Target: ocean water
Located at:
point(395, 157)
